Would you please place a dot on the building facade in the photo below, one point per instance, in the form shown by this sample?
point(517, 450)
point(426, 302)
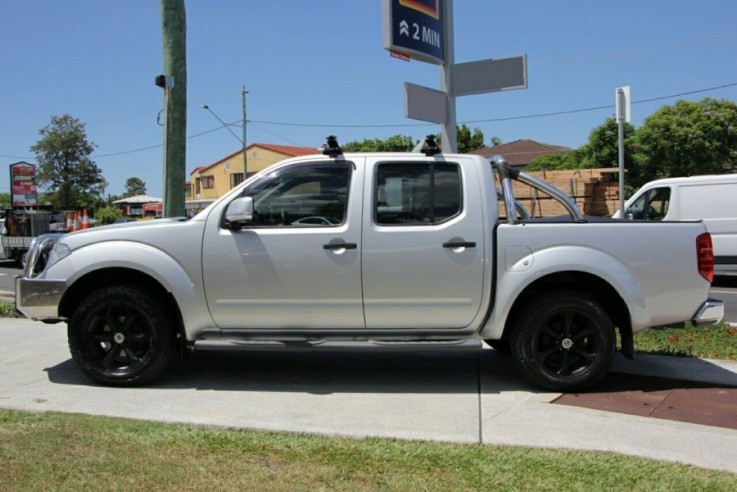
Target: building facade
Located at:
point(208, 183)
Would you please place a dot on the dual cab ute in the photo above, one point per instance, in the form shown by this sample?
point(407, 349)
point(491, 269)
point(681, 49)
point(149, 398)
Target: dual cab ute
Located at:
point(384, 250)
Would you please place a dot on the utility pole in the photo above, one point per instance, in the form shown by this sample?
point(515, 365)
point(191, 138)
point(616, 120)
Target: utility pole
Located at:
point(245, 158)
point(173, 27)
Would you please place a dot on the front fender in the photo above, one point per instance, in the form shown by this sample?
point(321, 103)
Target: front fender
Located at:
point(519, 271)
point(182, 281)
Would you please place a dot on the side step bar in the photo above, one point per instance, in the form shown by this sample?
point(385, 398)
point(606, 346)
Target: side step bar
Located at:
point(308, 345)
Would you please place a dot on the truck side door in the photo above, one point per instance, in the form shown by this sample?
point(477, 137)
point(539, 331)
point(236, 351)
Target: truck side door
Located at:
point(297, 264)
point(423, 244)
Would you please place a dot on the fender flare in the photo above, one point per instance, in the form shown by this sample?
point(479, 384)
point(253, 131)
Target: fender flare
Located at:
point(560, 259)
point(145, 259)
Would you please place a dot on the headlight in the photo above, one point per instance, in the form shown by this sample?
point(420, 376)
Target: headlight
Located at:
point(57, 253)
point(42, 254)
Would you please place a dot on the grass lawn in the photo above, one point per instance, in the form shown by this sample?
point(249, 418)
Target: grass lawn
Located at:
point(51, 451)
point(714, 342)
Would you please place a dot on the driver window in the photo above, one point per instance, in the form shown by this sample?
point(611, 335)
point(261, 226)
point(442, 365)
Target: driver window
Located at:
point(307, 195)
point(652, 205)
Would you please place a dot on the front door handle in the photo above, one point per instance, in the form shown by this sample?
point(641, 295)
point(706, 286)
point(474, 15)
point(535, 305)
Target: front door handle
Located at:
point(459, 244)
point(333, 246)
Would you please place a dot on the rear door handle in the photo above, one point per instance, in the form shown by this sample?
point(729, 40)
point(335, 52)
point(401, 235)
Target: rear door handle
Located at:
point(459, 244)
point(333, 246)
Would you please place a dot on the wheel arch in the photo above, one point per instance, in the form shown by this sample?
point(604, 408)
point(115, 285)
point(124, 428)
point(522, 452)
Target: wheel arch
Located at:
point(95, 279)
point(585, 283)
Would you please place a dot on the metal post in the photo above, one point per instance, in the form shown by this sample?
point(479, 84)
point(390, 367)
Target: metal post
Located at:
point(449, 137)
point(620, 136)
point(245, 158)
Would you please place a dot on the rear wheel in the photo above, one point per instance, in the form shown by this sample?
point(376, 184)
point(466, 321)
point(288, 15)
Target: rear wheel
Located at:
point(122, 336)
point(563, 341)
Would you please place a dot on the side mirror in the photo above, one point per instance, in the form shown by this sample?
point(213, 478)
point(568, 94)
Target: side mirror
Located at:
point(240, 210)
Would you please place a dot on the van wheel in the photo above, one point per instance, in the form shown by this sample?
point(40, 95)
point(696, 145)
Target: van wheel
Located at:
point(122, 336)
point(563, 341)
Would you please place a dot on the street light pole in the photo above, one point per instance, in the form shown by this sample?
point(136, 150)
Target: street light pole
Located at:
point(227, 127)
point(245, 158)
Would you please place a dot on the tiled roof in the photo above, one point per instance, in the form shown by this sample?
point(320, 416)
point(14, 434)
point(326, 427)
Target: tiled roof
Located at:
point(286, 150)
point(289, 150)
point(521, 152)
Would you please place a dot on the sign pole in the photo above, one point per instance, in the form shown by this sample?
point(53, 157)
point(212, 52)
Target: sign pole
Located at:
point(449, 137)
point(623, 114)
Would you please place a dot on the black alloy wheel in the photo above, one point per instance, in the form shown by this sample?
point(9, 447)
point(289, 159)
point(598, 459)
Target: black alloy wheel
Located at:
point(122, 336)
point(563, 341)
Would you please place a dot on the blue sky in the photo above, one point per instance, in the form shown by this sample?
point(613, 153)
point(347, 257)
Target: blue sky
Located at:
point(314, 68)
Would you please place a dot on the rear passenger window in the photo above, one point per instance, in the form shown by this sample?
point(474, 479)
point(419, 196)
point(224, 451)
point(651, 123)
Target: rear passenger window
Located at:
point(417, 193)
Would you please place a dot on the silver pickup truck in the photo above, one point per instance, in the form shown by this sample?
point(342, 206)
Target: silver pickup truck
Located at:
point(383, 250)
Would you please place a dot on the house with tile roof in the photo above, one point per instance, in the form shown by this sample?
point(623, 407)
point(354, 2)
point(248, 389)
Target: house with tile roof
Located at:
point(210, 182)
point(520, 153)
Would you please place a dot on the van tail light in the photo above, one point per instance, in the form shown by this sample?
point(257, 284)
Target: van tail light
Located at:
point(705, 256)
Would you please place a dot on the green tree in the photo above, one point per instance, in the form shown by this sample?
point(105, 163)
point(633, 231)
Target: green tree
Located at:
point(468, 140)
point(602, 149)
point(72, 179)
point(554, 162)
point(686, 139)
point(495, 141)
point(396, 143)
point(5, 200)
point(107, 215)
point(134, 186)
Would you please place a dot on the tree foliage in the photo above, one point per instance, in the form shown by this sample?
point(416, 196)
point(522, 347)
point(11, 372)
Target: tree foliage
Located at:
point(602, 149)
point(72, 179)
point(554, 162)
point(396, 143)
point(468, 140)
point(686, 139)
point(5, 200)
point(107, 215)
point(134, 186)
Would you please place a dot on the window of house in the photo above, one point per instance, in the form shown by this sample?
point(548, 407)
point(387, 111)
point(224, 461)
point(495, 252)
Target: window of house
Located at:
point(236, 179)
point(208, 181)
point(417, 193)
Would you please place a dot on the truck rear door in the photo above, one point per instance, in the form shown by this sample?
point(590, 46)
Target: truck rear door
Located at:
point(423, 243)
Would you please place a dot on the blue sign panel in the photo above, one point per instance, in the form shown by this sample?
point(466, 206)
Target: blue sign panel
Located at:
point(416, 28)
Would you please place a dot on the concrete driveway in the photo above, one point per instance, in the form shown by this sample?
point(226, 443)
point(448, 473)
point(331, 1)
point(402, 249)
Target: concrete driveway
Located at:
point(466, 395)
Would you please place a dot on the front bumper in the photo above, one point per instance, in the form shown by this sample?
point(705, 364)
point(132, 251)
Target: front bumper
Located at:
point(39, 299)
point(710, 313)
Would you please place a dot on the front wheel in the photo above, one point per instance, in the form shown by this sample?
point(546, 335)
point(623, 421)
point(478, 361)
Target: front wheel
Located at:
point(122, 335)
point(563, 341)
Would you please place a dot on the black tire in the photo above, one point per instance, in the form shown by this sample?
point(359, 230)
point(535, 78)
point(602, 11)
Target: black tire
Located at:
point(563, 341)
point(122, 335)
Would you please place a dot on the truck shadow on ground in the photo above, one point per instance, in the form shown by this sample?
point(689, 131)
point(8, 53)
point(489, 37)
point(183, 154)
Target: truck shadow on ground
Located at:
point(376, 371)
point(347, 371)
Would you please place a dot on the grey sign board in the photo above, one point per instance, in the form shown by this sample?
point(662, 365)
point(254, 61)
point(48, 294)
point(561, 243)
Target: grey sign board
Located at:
point(494, 75)
point(421, 103)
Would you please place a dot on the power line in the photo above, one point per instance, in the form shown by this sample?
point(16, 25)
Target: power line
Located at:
point(410, 125)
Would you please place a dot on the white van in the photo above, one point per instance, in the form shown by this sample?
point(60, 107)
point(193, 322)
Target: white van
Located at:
point(712, 199)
